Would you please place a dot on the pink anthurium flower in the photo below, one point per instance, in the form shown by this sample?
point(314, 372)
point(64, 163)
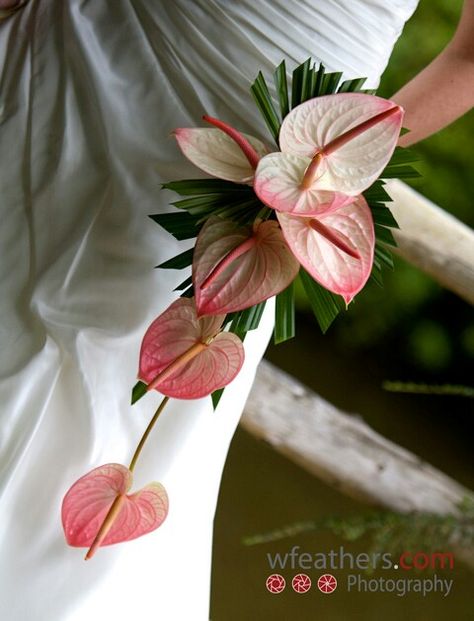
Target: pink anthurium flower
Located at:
point(336, 247)
point(187, 357)
point(97, 511)
point(333, 144)
point(222, 152)
point(236, 267)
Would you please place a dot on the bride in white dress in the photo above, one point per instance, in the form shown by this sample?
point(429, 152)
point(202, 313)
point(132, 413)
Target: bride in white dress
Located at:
point(90, 94)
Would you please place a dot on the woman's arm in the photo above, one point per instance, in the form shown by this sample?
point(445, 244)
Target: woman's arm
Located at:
point(444, 90)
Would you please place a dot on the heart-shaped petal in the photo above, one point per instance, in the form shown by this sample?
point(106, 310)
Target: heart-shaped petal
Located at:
point(356, 133)
point(236, 267)
point(336, 248)
point(88, 502)
point(278, 180)
point(186, 357)
point(217, 154)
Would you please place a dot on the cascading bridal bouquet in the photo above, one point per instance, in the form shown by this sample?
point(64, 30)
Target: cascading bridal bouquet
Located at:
point(313, 209)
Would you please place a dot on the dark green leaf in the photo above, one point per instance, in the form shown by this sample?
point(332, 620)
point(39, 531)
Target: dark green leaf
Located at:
point(399, 172)
point(190, 187)
point(184, 285)
point(383, 255)
point(179, 261)
point(246, 320)
point(325, 305)
point(377, 193)
point(264, 102)
point(382, 234)
point(285, 315)
point(198, 204)
point(312, 82)
point(138, 391)
point(382, 215)
point(266, 213)
point(181, 225)
point(319, 80)
point(330, 83)
point(216, 397)
point(402, 155)
point(301, 83)
point(281, 85)
point(188, 293)
point(308, 82)
point(351, 86)
point(376, 275)
point(239, 210)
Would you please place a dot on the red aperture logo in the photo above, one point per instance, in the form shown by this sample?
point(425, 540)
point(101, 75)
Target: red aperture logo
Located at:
point(275, 583)
point(301, 583)
point(327, 583)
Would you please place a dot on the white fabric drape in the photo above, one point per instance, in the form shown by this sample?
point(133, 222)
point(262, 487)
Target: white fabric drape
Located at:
point(90, 92)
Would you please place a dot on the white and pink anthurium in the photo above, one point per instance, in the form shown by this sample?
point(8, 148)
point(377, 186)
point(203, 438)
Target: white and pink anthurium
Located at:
point(332, 149)
point(336, 248)
point(235, 267)
point(221, 151)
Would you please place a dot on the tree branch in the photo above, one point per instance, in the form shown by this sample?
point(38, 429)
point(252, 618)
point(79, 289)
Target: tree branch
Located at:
point(343, 450)
point(433, 240)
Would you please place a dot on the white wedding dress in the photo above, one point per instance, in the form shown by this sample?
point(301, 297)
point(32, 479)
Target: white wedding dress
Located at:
point(90, 92)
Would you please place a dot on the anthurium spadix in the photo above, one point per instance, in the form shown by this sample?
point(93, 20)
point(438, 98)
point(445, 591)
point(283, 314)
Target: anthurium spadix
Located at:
point(187, 357)
point(97, 511)
point(336, 247)
point(222, 151)
point(235, 267)
point(335, 143)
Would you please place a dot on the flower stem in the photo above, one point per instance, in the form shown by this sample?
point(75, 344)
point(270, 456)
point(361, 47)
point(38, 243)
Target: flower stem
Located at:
point(310, 173)
point(249, 152)
point(341, 140)
point(144, 437)
point(116, 506)
point(229, 258)
point(180, 361)
point(333, 237)
point(106, 525)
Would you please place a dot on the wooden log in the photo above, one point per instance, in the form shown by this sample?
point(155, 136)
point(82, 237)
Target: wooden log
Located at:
point(433, 240)
point(342, 450)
